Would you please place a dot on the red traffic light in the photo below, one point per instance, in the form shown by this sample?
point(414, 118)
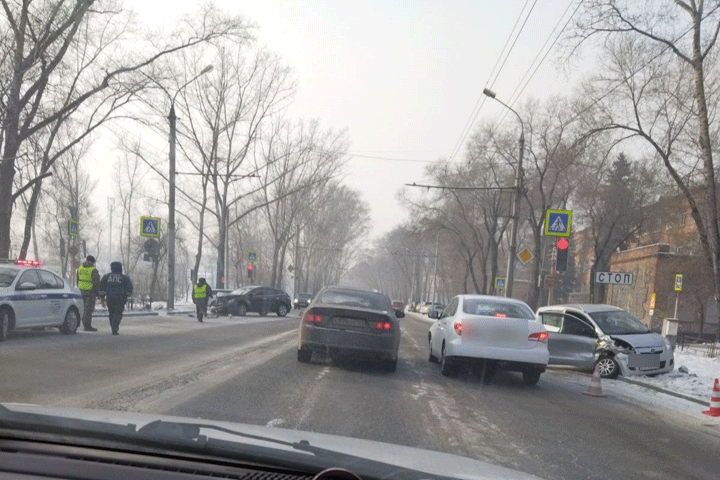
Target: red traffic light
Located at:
point(563, 244)
point(250, 267)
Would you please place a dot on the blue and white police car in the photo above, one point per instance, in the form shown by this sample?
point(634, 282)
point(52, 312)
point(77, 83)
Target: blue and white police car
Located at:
point(34, 297)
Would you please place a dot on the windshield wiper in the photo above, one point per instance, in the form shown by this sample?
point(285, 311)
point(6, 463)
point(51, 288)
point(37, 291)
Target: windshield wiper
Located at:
point(186, 437)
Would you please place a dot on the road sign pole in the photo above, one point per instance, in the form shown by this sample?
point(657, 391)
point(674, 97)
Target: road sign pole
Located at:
point(677, 301)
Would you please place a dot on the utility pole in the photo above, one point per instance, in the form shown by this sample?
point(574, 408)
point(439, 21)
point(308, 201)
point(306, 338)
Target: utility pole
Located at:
point(516, 198)
point(111, 207)
point(437, 250)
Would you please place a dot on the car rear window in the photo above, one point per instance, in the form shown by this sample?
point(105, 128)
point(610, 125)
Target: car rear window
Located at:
point(375, 301)
point(494, 308)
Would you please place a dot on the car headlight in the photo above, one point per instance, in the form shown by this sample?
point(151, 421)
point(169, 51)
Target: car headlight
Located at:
point(668, 345)
point(296, 300)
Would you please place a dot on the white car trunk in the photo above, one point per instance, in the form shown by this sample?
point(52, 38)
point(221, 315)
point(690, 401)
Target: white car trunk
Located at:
point(491, 331)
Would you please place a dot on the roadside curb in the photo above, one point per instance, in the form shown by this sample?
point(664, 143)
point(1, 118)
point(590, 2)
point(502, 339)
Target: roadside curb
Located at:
point(662, 390)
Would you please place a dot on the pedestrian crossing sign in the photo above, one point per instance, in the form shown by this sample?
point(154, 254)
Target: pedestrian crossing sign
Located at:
point(558, 223)
point(150, 227)
point(500, 283)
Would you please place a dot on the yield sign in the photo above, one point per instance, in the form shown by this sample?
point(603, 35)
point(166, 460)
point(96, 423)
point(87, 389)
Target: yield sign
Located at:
point(525, 256)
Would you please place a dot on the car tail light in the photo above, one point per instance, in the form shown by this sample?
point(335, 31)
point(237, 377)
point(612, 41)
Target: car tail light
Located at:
point(501, 315)
point(458, 327)
point(313, 317)
point(538, 337)
point(386, 326)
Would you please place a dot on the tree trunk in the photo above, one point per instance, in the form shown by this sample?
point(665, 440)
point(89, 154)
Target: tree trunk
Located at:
point(30, 219)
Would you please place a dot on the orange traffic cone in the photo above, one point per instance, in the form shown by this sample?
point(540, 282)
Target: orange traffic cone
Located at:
point(714, 410)
point(595, 389)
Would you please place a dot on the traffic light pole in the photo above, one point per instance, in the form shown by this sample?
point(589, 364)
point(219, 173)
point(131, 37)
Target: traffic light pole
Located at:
point(553, 275)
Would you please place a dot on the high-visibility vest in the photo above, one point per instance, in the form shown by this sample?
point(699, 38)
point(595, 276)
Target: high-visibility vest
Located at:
point(85, 280)
point(200, 292)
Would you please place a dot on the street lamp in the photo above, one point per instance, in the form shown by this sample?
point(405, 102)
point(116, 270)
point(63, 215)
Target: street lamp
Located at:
point(515, 201)
point(171, 199)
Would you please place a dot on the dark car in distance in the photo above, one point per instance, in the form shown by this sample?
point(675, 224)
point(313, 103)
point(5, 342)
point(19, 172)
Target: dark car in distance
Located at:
point(302, 300)
point(349, 322)
point(258, 299)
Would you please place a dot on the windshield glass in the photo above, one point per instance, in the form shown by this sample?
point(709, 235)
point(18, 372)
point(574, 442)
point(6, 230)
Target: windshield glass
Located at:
point(496, 308)
point(354, 298)
point(618, 323)
point(7, 275)
point(443, 171)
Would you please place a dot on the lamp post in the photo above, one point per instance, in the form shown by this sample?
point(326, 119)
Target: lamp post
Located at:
point(516, 198)
point(171, 199)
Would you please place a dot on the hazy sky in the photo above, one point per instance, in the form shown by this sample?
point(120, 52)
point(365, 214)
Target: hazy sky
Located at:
point(401, 76)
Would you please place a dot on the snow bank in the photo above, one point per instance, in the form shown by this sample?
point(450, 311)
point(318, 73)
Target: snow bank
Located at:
point(697, 383)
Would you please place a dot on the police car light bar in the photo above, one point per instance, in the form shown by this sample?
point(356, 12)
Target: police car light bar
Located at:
point(28, 263)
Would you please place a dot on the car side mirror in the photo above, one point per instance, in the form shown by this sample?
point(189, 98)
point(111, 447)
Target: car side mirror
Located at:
point(399, 313)
point(26, 286)
point(434, 314)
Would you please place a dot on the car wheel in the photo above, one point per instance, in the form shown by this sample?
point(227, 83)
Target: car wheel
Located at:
point(4, 323)
point(446, 367)
point(432, 358)
point(282, 310)
point(531, 378)
point(304, 355)
point(240, 309)
point(71, 323)
point(608, 367)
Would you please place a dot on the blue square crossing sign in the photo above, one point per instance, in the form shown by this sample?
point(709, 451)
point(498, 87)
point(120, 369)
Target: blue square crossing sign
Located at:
point(558, 222)
point(149, 227)
point(500, 283)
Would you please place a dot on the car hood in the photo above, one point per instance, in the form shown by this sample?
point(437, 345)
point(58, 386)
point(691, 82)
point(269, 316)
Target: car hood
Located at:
point(640, 340)
point(402, 457)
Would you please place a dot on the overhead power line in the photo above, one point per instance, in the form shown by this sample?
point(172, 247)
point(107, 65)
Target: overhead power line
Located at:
point(490, 82)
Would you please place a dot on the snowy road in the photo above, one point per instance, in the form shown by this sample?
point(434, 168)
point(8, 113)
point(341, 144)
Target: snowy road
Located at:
point(245, 370)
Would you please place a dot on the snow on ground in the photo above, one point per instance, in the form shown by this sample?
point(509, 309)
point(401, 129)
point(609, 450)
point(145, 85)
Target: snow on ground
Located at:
point(697, 383)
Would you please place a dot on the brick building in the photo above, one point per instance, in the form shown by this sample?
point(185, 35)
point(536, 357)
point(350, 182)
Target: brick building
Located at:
point(668, 245)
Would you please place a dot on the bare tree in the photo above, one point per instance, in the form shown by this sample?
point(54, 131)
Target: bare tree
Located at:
point(42, 35)
point(660, 83)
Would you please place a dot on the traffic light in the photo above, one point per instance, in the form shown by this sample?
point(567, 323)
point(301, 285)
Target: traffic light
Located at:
point(250, 269)
point(562, 254)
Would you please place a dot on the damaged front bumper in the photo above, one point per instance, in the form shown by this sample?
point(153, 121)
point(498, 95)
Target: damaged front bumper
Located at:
point(639, 360)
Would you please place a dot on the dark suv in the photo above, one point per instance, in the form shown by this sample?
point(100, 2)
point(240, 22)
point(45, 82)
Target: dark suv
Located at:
point(262, 300)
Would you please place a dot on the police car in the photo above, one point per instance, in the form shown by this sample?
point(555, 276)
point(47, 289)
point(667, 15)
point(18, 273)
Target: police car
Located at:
point(33, 297)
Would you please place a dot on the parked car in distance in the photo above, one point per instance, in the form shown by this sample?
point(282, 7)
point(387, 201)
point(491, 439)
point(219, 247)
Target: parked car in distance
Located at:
point(398, 306)
point(424, 307)
point(302, 300)
point(34, 297)
point(583, 335)
point(258, 299)
point(493, 332)
point(344, 321)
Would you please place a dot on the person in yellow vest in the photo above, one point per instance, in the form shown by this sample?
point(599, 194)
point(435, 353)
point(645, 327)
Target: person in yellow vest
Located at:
point(201, 295)
point(88, 281)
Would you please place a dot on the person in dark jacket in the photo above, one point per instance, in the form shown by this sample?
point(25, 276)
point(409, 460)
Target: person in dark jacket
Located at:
point(201, 295)
point(116, 287)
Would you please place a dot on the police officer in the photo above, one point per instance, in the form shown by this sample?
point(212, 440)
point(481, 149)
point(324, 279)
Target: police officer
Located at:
point(116, 287)
point(201, 294)
point(88, 280)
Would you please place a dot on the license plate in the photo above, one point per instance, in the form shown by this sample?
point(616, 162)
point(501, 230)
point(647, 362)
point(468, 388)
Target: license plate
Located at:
point(644, 362)
point(349, 322)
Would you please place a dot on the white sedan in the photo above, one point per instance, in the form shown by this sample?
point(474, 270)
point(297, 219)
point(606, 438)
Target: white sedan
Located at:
point(497, 332)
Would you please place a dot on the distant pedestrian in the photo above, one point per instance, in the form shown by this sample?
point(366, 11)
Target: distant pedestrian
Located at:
point(116, 287)
point(88, 281)
point(201, 294)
